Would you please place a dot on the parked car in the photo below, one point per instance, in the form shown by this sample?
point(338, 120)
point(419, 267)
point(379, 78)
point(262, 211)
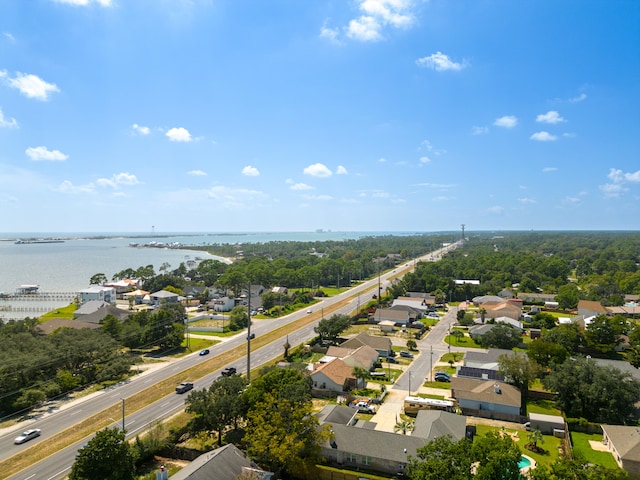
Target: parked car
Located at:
point(391, 359)
point(204, 352)
point(27, 435)
point(442, 377)
point(228, 371)
point(433, 315)
point(184, 387)
point(364, 407)
point(406, 354)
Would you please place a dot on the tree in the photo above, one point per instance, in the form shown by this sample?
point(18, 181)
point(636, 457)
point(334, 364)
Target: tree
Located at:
point(546, 353)
point(361, 374)
point(403, 426)
point(282, 435)
point(457, 334)
point(442, 458)
point(238, 318)
point(534, 437)
point(497, 456)
point(520, 372)
point(330, 328)
point(502, 335)
point(576, 468)
point(586, 389)
point(279, 382)
point(568, 296)
point(98, 279)
point(601, 334)
point(107, 456)
point(411, 344)
point(217, 408)
point(567, 335)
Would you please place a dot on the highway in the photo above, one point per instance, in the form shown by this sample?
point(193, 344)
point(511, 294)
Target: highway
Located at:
point(57, 466)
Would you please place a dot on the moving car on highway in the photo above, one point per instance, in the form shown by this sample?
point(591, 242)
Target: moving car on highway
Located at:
point(27, 435)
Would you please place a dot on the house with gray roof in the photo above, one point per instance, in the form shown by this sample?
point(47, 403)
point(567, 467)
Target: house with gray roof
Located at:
point(357, 446)
point(163, 296)
point(624, 444)
point(398, 317)
point(87, 312)
point(381, 344)
point(224, 463)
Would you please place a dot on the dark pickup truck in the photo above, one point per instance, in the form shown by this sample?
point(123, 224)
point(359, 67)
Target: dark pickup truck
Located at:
point(184, 387)
point(227, 372)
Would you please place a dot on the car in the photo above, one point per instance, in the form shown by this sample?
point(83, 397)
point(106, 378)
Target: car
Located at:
point(204, 352)
point(433, 315)
point(309, 311)
point(364, 407)
point(391, 360)
point(253, 312)
point(228, 371)
point(27, 435)
point(184, 387)
point(406, 354)
point(442, 377)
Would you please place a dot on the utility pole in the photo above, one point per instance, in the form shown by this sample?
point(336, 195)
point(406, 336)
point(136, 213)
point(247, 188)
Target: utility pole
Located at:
point(249, 334)
point(463, 232)
point(122, 414)
point(431, 356)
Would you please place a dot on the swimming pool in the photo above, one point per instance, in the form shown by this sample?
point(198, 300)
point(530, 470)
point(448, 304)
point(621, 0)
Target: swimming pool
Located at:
point(524, 462)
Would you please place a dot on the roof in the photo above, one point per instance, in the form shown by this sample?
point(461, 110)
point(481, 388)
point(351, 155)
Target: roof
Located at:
point(164, 294)
point(592, 306)
point(55, 323)
point(487, 298)
point(626, 441)
point(224, 463)
point(337, 414)
point(487, 356)
point(98, 315)
point(379, 343)
point(479, 330)
point(96, 289)
point(542, 417)
point(365, 355)
point(401, 315)
point(485, 391)
point(91, 307)
point(336, 370)
point(430, 424)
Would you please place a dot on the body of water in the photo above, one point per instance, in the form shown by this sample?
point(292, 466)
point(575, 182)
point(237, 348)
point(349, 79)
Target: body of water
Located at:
point(68, 266)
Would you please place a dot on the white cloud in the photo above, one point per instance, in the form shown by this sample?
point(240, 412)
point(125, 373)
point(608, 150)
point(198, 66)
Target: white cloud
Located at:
point(317, 170)
point(543, 137)
point(441, 186)
point(495, 210)
point(178, 135)
point(197, 173)
point(579, 98)
point(551, 117)
point(7, 122)
point(508, 121)
point(382, 160)
point(377, 15)
point(68, 187)
point(322, 198)
point(85, 3)
point(31, 86)
point(424, 160)
point(341, 170)
point(572, 200)
point(301, 186)
point(618, 180)
point(139, 129)
point(118, 179)
point(440, 62)
point(479, 130)
point(43, 153)
point(330, 34)
point(549, 169)
point(9, 37)
point(250, 171)
point(526, 200)
point(619, 176)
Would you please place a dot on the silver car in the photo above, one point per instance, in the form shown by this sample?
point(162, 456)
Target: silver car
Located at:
point(27, 435)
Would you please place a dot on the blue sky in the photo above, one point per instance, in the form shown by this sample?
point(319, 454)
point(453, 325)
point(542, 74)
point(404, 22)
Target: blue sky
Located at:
point(292, 115)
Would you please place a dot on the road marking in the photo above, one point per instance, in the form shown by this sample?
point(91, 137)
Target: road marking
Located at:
point(30, 476)
point(59, 473)
point(76, 412)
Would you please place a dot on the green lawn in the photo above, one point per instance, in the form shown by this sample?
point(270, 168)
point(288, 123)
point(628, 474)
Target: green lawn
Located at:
point(546, 407)
point(465, 341)
point(581, 444)
point(550, 444)
point(455, 356)
point(62, 312)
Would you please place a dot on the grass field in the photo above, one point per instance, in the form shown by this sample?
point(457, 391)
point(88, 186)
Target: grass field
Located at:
point(581, 444)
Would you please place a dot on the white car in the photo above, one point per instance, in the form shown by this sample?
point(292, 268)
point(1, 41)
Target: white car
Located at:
point(27, 435)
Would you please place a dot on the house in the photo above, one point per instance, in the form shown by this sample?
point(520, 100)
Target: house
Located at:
point(509, 321)
point(487, 398)
point(121, 286)
point(163, 296)
point(138, 296)
point(482, 365)
point(466, 282)
point(502, 309)
point(624, 444)
point(97, 292)
point(506, 293)
point(364, 356)
point(398, 317)
point(356, 445)
point(222, 304)
point(387, 326)
point(536, 297)
point(476, 332)
point(224, 463)
point(381, 344)
point(52, 325)
point(334, 377)
point(589, 308)
point(482, 299)
point(430, 299)
point(96, 315)
point(193, 291)
point(417, 303)
point(280, 290)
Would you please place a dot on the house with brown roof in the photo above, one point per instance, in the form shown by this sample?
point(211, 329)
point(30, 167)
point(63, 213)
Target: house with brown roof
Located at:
point(624, 444)
point(381, 344)
point(502, 309)
point(334, 377)
point(487, 398)
point(364, 356)
point(590, 308)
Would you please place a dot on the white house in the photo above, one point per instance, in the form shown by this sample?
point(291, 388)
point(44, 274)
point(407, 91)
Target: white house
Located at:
point(97, 292)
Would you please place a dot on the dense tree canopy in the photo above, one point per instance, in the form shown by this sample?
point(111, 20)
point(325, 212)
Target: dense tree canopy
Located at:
point(107, 456)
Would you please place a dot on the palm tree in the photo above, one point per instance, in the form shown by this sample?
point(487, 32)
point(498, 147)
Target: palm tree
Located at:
point(534, 437)
point(403, 426)
point(361, 374)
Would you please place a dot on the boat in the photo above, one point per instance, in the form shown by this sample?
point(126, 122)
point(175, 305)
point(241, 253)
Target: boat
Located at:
point(26, 242)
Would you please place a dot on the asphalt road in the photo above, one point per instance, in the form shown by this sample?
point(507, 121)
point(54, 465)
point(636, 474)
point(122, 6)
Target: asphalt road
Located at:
point(57, 466)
